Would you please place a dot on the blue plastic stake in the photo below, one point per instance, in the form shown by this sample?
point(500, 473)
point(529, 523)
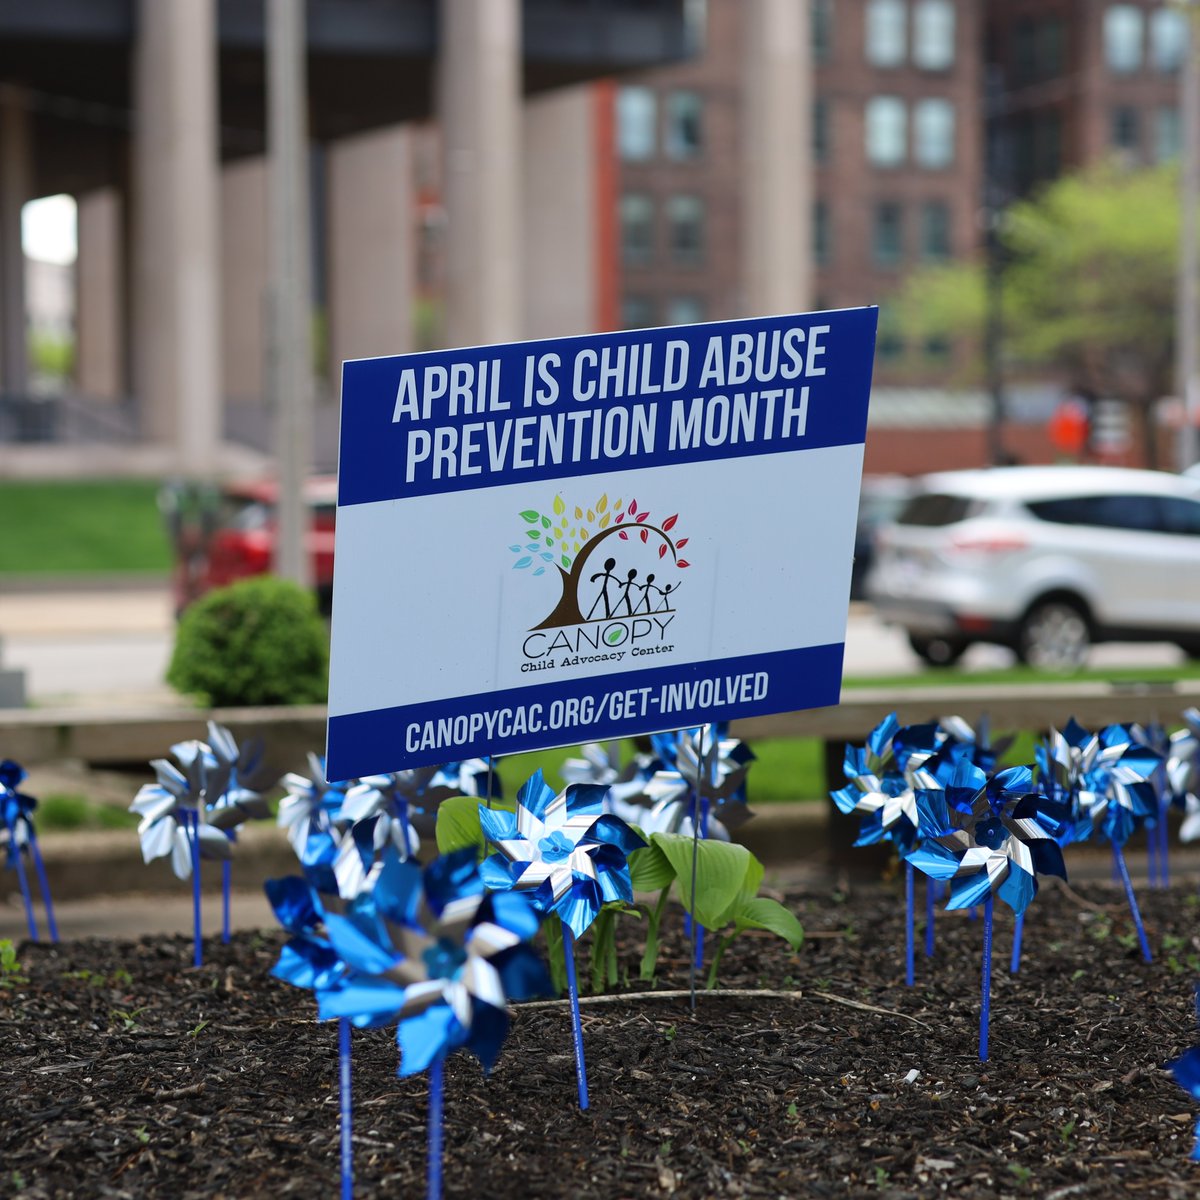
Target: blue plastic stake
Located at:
point(1152, 855)
point(909, 968)
point(1123, 872)
point(433, 1172)
point(226, 873)
point(930, 896)
point(698, 940)
point(40, 867)
point(985, 1011)
point(344, 1106)
point(576, 1024)
point(1018, 932)
point(193, 827)
point(23, 880)
point(1164, 842)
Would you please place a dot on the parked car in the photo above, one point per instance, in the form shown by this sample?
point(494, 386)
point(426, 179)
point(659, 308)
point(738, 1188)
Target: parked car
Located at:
point(227, 533)
point(1045, 560)
point(881, 498)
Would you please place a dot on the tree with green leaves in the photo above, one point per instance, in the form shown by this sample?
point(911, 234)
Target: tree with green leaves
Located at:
point(1088, 286)
point(564, 541)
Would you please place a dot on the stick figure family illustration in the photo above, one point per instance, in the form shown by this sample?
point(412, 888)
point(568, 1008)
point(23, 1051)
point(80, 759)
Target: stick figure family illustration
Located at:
point(633, 598)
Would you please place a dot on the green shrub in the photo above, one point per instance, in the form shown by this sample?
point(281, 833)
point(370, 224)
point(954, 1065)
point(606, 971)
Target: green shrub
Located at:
point(259, 641)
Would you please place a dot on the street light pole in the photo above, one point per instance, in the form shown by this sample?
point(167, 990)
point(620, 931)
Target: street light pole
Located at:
point(289, 299)
point(1187, 371)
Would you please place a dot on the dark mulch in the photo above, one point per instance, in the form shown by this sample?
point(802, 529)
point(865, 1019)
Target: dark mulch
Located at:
point(123, 1072)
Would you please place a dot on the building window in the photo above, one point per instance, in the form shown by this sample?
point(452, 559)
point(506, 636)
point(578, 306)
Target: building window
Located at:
point(885, 32)
point(887, 242)
point(933, 133)
point(822, 29)
point(935, 230)
point(684, 133)
point(1124, 31)
point(1168, 138)
point(821, 234)
point(933, 35)
point(1168, 39)
point(637, 116)
point(637, 312)
point(1125, 129)
point(937, 349)
point(820, 129)
point(637, 228)
point(685, 222)
point(1051, 48)
point(887, 131)
point(685, 310)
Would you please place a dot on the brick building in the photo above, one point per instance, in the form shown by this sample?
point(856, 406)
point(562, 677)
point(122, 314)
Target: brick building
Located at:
point(913, 103)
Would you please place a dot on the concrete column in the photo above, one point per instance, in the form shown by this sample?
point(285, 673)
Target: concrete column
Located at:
point(560, 219)
point(244, 280)
point(176, 337)
point(99, 297)
point(479, 101)
point(371, 227)
point(16, 186)
point(777, 193)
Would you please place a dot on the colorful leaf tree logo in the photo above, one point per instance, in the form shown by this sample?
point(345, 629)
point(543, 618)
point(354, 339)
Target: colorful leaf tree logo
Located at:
point(564, 540)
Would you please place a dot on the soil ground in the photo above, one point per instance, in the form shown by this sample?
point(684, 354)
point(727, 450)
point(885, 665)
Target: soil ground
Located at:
point(124, 1072)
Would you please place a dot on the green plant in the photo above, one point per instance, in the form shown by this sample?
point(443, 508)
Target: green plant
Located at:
point(1020, 1173)
point(727, 878)
point(10, 969)
point(259, 641)
point(1066, 1132)
point(881, 1177)
point(128, 1018)
point(195, 1033)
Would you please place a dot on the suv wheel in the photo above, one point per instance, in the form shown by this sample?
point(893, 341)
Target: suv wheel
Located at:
point(1054, 635)
point(937, 651)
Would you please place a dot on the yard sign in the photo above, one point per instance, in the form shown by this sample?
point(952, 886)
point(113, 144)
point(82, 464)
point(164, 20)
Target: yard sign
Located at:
point(585, 538)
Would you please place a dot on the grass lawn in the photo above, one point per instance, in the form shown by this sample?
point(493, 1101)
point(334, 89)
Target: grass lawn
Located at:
point(83, 526)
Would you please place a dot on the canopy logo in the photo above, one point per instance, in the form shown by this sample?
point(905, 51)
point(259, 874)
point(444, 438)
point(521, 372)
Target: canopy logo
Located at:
point(617, 574)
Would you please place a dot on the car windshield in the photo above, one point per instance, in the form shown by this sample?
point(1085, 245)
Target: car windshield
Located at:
point(935, 508)
point(243, 513)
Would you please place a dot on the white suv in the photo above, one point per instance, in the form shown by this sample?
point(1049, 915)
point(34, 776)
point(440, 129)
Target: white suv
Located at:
point(1045, 560)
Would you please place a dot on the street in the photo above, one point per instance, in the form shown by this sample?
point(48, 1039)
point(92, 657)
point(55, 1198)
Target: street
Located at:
point(112, 647)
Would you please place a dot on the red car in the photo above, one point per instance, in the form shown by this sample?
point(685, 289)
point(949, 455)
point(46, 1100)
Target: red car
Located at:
point(227, 533)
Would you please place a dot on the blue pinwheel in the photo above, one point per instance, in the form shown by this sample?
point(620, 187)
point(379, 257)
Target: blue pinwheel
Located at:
point(990, 836)
point(704, 773)
point(974, 742)
point(625, 785)
point(1186, 1069)
point(434, 952)
point(563, 849)
point(1183, 774)
point(174, 820)
point(310, 812)
point(237, 779)
point(1117, 796)
point(18, 838)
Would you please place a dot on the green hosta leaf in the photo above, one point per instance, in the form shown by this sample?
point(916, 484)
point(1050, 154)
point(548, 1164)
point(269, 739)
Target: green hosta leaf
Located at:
point(726, 874)
point(649, 869)
point(529, 516)
point(760, 912)
point(458, 822)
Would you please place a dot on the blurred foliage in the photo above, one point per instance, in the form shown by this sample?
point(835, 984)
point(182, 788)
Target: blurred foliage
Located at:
point(68, 810)
point(1089, 284)
point(257, 642)
point(81, 526)
point(51, 354)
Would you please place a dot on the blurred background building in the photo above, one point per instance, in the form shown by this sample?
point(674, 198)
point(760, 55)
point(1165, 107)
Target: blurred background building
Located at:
point(488, 170)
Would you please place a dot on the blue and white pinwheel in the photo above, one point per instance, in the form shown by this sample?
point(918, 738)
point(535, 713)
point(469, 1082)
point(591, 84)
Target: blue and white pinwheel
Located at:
point(884, 775)
point(433, 952)
point(626, 785)
point(992, 836)
point(703, 770)
point(1117, 796)
point(1183, 773)
point(310, 812)
point(16, 811)
point(564, 850)
point(236, 779)
point(173, 813)
point(380, 805)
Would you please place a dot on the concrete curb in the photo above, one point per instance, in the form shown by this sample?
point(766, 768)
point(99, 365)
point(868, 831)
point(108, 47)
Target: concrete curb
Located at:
point(109, 862)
